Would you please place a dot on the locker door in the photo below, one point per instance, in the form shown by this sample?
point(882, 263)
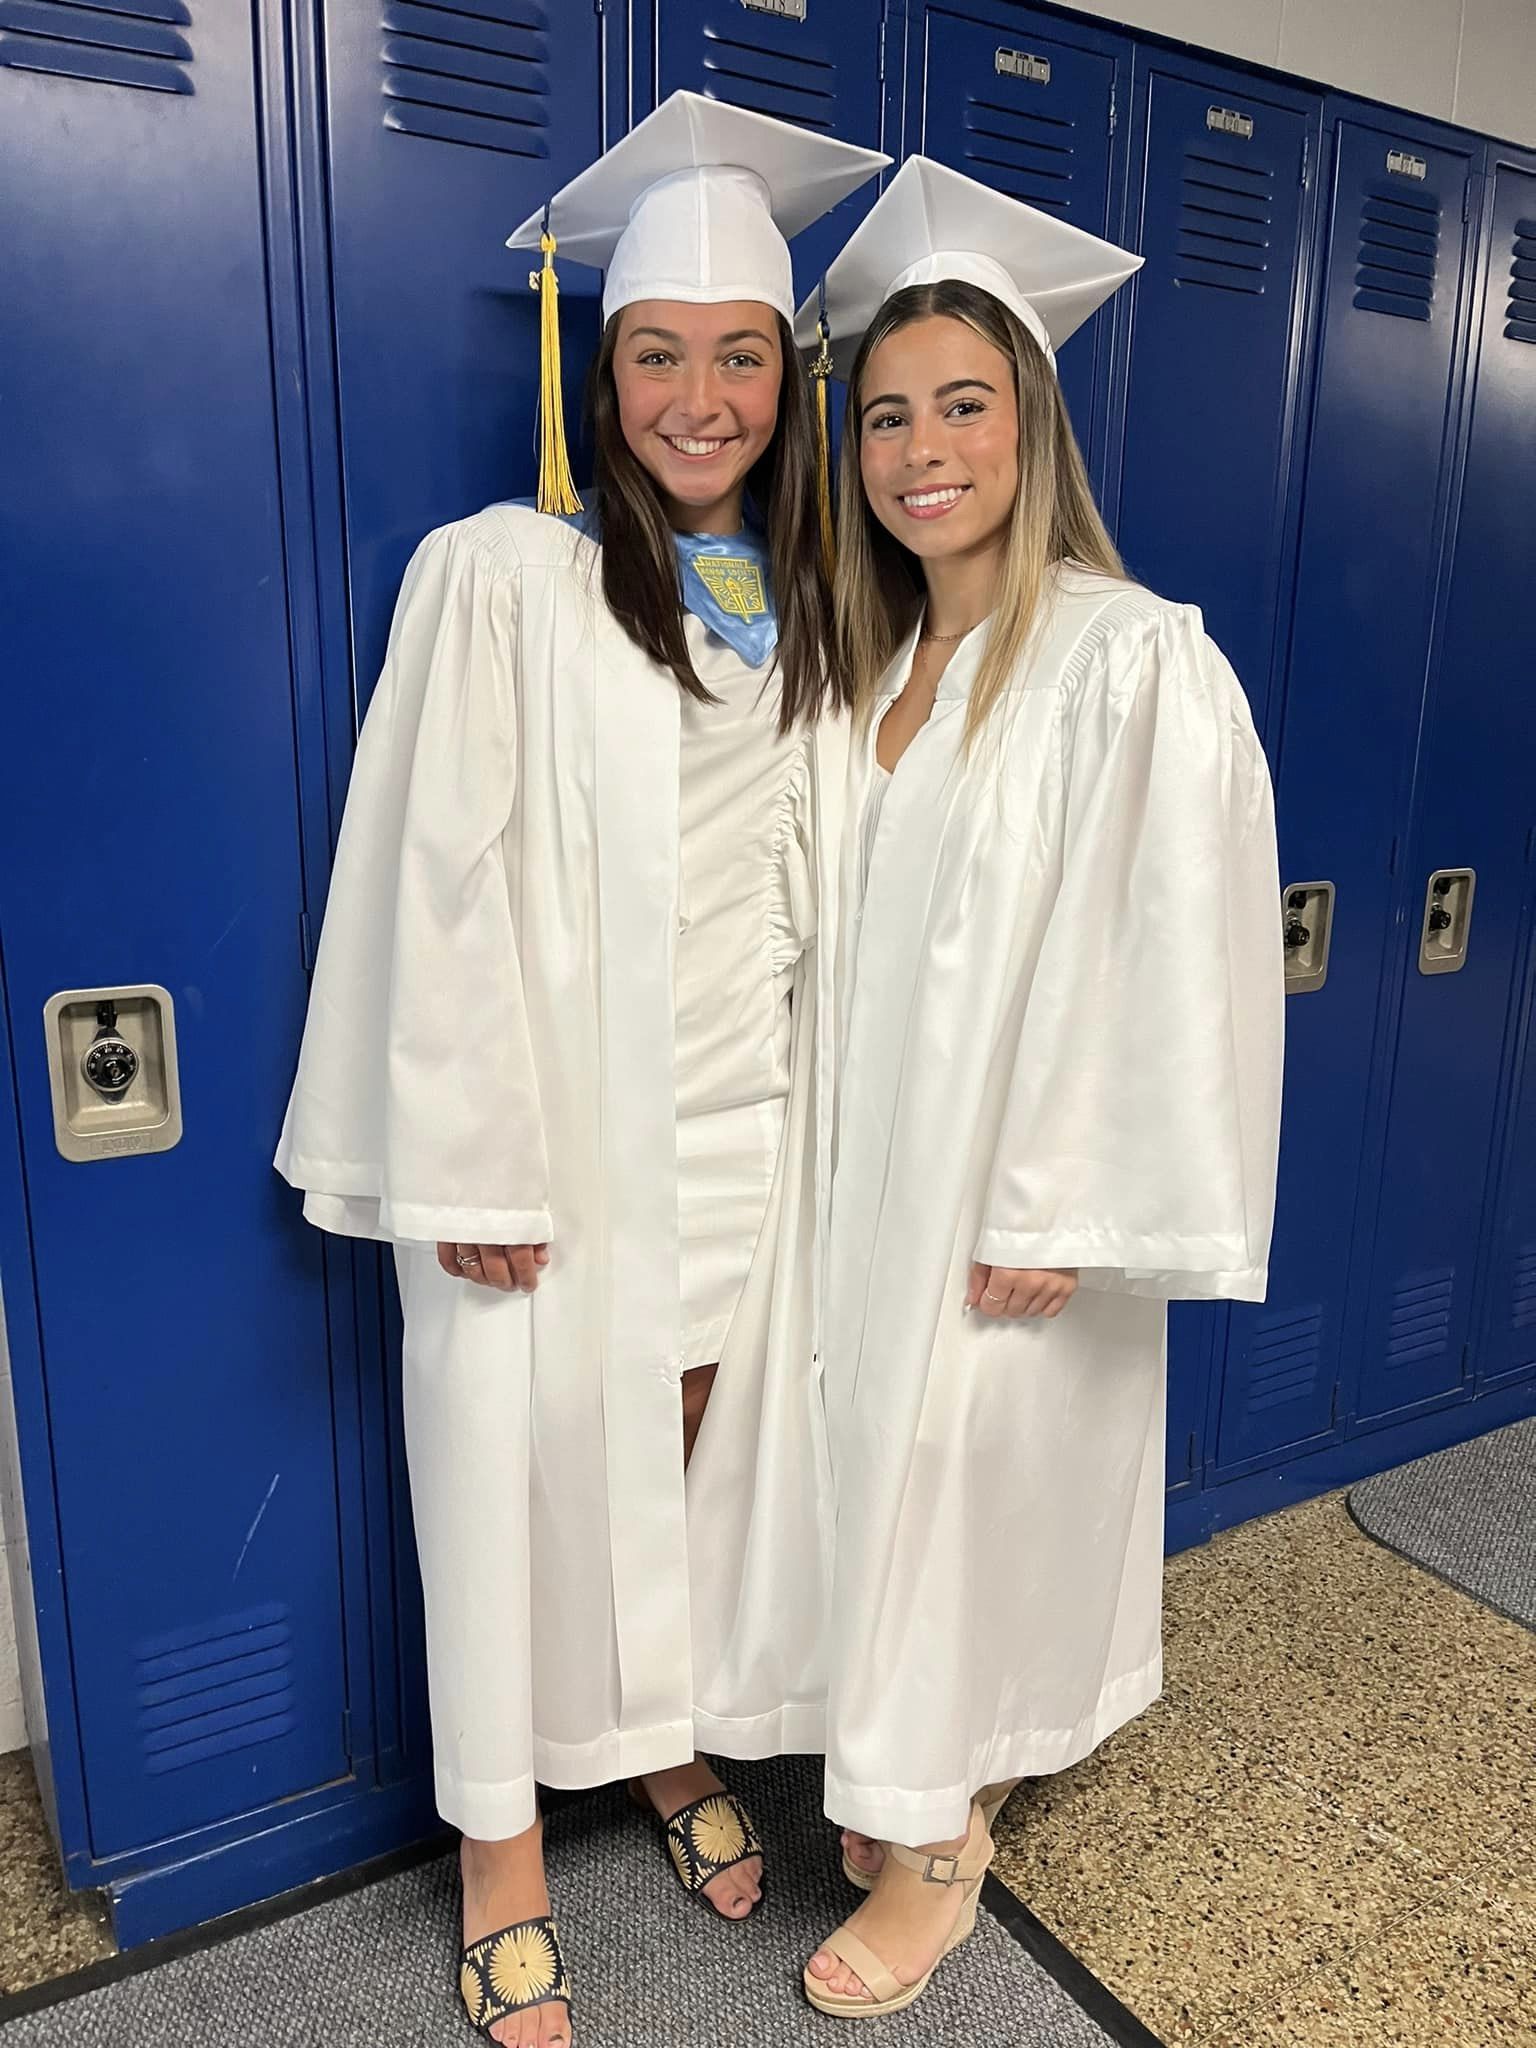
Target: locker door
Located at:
point(818, 62)
point(149, 832)
point(1371, 527)
point(446, 127)
point(1027, 104)
point(443, 129)
point(1474, 809)
point(1507, 1349)
point(1216, 361)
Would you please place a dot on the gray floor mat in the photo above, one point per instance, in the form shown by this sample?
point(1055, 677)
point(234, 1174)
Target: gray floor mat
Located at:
point(651, 1968)
point(1467, 1514)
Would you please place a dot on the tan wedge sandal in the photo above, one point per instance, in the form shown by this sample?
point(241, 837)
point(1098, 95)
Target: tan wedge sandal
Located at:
point(991, 1799)
point(886, 1991)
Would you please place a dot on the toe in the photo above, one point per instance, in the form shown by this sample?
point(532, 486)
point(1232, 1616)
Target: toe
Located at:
point(822, 1964)
point(734, 1892)
point(557, 2027)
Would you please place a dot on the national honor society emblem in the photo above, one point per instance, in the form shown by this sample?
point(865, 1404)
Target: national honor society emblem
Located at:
point(734, 582)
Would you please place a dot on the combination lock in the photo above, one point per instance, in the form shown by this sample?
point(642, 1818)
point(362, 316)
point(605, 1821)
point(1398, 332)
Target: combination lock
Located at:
point(110, 1064)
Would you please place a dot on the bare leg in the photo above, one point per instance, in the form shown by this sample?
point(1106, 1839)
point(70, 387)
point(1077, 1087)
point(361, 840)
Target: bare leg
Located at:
point(736, 1891)
point(867, 1853)
point(698, 1383)
point(504, 1884)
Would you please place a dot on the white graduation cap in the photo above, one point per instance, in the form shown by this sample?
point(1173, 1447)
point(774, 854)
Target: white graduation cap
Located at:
point(698, 203)
point(931, 224)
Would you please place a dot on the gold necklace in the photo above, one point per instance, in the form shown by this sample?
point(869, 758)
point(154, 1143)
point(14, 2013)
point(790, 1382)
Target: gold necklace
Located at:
point(946, 639)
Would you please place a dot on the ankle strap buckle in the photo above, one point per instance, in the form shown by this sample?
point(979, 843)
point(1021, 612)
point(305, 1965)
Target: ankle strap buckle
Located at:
point(932, 1875)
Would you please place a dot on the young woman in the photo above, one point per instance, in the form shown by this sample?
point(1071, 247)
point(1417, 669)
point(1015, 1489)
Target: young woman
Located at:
point(1060, 1018)
point(565, 1051)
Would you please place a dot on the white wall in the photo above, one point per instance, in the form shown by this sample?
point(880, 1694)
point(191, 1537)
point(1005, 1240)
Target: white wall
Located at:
point(13, 1726)
point(1469, 61)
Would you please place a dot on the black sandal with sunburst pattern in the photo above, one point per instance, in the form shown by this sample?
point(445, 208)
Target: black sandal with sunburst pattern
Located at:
point(705, 1837)
point(512, 1971)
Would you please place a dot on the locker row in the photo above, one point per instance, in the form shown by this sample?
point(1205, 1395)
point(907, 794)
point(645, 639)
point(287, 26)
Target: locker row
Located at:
point(261, 334)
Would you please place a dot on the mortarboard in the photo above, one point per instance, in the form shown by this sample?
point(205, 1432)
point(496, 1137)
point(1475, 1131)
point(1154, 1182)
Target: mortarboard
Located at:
point(931, 224)
point(696, 203)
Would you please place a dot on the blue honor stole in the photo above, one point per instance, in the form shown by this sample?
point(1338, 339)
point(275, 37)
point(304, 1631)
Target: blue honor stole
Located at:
point(727, 582)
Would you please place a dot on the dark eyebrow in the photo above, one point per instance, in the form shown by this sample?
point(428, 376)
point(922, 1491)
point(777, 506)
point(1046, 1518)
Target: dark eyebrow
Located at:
point(725, 340)
point(944, 391)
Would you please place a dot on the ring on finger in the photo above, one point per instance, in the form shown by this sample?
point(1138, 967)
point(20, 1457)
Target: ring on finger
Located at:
point(464, 1260)
point(988, 1295)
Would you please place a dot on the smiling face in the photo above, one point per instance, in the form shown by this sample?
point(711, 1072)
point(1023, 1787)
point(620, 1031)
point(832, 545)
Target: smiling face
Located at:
point(939, 438)
point(698, 391)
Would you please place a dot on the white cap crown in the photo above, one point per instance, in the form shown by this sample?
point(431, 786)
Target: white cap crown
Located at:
point(932, 224)
point(698, 203)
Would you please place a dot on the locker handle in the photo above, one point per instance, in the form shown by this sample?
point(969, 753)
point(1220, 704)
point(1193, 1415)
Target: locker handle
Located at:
point(1447, 922)
point(1306, 911)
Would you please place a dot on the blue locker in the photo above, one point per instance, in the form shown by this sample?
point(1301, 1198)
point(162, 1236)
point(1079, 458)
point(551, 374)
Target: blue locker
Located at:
point(1382, 432)
point(1209, 375)
point(1030, 105)
point(820, 63)
point(444, 129)
point(1474, 810)
point(182, 1418)
point(1216, 370)
point(440, 132)
point(1507, 1344)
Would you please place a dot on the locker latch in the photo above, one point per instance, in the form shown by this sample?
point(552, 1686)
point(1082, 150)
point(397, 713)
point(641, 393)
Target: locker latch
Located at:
point(112, 1070)
point(1447, 920)
point(1307, 910)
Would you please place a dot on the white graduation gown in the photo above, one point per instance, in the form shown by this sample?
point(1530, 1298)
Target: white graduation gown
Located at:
point(1061, 996)
point(489, 1057)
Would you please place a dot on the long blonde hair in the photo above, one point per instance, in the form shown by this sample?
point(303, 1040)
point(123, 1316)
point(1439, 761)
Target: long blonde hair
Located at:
point(880, 588)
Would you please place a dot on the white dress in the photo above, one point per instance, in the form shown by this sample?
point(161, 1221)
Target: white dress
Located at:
point(1062, 989)
point(746, 912)
point(491, 1055)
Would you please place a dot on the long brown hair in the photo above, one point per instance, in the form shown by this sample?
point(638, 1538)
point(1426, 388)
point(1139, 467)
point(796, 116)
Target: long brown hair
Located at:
point(641, 583)
point(880, 588)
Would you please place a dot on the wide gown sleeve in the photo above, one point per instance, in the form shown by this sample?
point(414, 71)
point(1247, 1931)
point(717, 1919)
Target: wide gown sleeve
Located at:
point(415, 1114)
point(1141, 1130)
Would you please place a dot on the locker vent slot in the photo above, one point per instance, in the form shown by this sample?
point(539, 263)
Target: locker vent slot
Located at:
point(790, 85)
point(475, 73)
point(202, 1693)
point(1016, 150)
point(113, 42)
point(1523, 1316)
point(1224, 224)
point(1520, 315)
point(1419, 1326)
point(1286, 1359)
point(1398, 255)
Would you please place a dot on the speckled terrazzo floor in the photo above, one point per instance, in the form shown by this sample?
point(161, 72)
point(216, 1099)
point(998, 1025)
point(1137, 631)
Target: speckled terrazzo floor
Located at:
point(44, 1930)
point(1323, 1832)
point(1320, 1835)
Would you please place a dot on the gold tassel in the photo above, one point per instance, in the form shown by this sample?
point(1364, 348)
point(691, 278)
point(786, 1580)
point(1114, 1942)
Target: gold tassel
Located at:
point(557, 490)
point(821, 370)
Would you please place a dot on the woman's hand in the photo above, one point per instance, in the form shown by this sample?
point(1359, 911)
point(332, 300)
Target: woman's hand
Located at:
point(1020, 1291)
point(514, 1268)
